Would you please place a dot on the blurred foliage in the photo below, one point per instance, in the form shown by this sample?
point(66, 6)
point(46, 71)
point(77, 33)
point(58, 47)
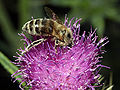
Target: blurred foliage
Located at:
point(9, 32)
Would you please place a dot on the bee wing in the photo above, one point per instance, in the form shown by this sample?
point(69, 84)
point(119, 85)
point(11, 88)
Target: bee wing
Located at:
point(52, 15)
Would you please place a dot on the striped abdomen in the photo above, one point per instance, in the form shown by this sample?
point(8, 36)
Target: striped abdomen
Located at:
point(39, 27)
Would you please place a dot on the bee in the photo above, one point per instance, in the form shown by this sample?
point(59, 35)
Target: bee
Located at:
point(54, 27)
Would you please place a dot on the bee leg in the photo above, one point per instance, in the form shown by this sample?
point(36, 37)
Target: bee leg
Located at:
point(56, 44)
point(61, 44)
point(53, 39)
point(33, 44)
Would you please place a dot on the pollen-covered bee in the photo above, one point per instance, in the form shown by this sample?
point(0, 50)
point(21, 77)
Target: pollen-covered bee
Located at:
point(54, 27)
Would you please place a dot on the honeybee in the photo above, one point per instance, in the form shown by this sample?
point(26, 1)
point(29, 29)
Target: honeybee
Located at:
point(54, 27)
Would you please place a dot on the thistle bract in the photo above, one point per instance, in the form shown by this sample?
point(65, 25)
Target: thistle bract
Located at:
point(77, 68)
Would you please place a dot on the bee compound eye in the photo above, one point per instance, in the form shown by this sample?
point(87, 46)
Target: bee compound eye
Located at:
point(68, 35)
point(56, 42)
point(69, 45)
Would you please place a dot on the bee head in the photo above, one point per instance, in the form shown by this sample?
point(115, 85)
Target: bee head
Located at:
point(68, 37)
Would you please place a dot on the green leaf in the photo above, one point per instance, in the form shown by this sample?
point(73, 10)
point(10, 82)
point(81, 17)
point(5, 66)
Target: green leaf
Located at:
point(11, 68)
point(103, 87)
point(5, 62)
point(110, 88)
point(110, 83)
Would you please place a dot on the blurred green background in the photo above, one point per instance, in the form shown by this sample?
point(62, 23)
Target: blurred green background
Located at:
point(101, 14)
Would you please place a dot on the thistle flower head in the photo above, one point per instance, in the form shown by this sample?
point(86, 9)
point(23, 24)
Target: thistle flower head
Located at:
point(76, 68)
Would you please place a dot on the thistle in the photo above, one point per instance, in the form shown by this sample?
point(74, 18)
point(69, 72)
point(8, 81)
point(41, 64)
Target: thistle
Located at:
point(77, 68)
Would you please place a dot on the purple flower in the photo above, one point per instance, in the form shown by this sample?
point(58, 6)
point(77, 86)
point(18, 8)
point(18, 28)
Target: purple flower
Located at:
point(77, 68)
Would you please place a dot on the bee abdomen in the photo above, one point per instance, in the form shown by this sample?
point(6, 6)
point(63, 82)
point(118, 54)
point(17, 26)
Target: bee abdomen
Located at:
point(39, 27)
point(33, 27)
